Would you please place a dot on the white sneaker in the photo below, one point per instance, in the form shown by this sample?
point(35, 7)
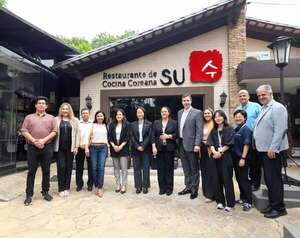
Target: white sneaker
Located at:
point(228, 209)
point(67, 193)
point(62, 194)
point(246, 207)
point(220, 206)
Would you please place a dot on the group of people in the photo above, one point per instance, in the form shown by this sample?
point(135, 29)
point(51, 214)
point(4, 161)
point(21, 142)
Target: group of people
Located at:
point(205, 141)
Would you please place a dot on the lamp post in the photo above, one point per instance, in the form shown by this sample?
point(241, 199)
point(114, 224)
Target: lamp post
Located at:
point(281, 47)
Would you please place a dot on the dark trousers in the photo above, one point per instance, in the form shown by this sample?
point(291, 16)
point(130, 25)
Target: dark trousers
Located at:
point(273, 178)
point(190, 165)
point(141, 169)
point(64, 169)
point(224, 176)
point(255, 167)
point(80, 158)
point(241, 174)
point(165, 170)
point(34, 157)
point(208, 174)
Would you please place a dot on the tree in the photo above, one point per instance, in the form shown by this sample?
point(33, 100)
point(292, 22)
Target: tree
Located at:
point(82, 45)
point(2, 3)
point(104, 38)
point(79, 43)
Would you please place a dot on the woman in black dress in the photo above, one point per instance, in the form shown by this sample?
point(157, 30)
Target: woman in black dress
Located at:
point(220, 141)
point(66, 146)
point(207, 164)
point(164, 134)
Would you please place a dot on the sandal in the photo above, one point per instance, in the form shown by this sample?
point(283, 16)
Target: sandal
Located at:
point(100, 192)
point(123, 190)
point(118, 189)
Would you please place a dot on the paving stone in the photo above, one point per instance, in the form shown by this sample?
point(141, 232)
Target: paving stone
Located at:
point(83, 214)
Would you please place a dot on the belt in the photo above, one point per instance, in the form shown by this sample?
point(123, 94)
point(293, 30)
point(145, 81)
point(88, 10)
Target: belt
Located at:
point(48, 143)
point(98, 144)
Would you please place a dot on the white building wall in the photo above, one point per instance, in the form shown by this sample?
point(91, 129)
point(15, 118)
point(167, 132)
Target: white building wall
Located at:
point(253, 45)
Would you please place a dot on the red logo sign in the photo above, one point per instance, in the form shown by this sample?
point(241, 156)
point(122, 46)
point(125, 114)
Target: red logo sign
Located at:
point(206, 67)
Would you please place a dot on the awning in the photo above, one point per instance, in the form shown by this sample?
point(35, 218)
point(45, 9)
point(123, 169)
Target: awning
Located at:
point(266, 69)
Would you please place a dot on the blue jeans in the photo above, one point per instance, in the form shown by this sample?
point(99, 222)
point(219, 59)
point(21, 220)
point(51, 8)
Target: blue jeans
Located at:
point(98, 158)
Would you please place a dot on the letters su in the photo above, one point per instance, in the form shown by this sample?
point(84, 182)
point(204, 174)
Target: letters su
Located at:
point(168, 76)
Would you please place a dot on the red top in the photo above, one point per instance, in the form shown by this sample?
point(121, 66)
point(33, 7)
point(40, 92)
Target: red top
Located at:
point(39, 126)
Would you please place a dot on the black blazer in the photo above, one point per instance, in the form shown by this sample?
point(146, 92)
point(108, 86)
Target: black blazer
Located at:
point(124, 137)
point(226, 137)
point(171, 128)
point(134, 136)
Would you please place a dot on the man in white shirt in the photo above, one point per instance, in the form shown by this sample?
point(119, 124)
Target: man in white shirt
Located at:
point(85, 126)
point(190, 126)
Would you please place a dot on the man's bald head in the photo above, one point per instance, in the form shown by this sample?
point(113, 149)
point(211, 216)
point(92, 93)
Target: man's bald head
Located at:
point(243, 96)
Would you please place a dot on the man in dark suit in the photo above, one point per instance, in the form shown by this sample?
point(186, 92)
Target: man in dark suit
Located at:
point(190, 126)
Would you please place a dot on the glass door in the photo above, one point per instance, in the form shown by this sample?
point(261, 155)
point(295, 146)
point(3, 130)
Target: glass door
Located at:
point(8, 133)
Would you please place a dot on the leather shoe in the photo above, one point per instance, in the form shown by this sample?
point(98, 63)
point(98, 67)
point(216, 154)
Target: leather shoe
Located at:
point(138, 190)
point(266, 210)
point(162, 192)
point(274, 214)
point(168, 193)
point(27, 201)
point(184, 191)
point(145, 190)
point(47, 196)
point(90, 188)
point(78, 189)
point(193, 195)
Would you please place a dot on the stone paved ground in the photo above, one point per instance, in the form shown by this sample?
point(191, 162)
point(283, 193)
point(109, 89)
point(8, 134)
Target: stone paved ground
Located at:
point(129, 215)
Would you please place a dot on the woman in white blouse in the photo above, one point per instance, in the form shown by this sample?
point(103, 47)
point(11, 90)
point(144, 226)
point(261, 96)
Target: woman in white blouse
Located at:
point(98, 150)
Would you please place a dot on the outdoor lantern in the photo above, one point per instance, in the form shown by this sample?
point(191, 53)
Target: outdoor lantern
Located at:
point(281, 47)
point(88, 102)
point(223, 98)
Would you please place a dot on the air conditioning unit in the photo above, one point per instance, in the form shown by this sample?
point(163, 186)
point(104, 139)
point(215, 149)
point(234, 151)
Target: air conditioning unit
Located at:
point(259, 55)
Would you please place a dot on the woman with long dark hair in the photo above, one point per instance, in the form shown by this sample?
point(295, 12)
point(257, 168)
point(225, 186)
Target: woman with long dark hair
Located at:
point(66, 146)
point(207, 164)
point(220, 141)
point(98, 150)
point(141, 151)
point(119, 148)
point(164, 134)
